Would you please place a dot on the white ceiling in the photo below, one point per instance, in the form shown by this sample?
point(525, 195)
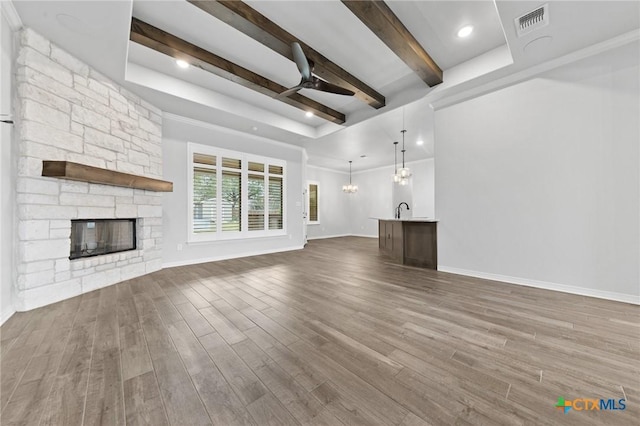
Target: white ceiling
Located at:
point(98, 32)
point(435, 25)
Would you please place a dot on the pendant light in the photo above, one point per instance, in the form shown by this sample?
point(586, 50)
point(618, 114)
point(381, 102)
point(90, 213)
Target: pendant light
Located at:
point(396, 175)
point(350, 188)
point(404, 172)
point(402, 175)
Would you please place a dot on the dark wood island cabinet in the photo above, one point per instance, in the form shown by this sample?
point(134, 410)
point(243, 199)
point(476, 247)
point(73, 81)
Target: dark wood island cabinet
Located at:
point(410, 242)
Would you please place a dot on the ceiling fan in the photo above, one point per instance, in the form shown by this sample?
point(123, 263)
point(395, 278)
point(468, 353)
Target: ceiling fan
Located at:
point(310, 81)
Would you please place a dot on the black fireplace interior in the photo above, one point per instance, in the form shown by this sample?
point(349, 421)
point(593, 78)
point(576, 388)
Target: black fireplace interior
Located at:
point(94, 237)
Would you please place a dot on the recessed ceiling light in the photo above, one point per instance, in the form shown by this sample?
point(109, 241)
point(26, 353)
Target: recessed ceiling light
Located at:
point(254, 128)
point(182, 64)
point(465, 31)
point(420, 142)
point(308, 114)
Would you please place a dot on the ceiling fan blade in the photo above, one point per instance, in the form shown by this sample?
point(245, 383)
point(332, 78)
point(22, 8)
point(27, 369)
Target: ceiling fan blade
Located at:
point(289, 92)
point(301, 61)
point(325, 86)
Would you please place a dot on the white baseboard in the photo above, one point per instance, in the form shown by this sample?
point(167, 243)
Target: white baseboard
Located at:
point(228, 256)
point(341, 235)
point(322, 237)
point(33, 298)
point(6, 315)
point(582, 291)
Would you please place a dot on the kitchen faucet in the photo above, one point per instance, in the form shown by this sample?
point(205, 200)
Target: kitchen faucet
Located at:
point(400, 208)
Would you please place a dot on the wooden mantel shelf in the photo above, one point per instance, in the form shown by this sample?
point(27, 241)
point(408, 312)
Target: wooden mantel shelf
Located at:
point(84, 173)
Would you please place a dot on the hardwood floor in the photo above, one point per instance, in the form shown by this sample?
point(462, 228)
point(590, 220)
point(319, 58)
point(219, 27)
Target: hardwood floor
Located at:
point(329, 335)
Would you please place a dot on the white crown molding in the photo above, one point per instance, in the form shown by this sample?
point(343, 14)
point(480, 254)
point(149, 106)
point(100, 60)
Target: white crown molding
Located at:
point(11, 14)
point(529, 73)
point(408, 163)
point(563, 288)
point(327, 169)
point(202, 124)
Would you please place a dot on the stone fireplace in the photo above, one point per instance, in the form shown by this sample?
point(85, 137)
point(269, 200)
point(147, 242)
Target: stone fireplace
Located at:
point(67, 111)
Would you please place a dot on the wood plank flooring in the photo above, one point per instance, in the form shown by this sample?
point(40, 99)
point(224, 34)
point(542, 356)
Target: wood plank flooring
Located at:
point(329, 335)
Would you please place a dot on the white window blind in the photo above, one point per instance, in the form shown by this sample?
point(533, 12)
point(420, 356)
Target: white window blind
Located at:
point(204, 193)
point(275, 196)
point(256, 193)
point(275, 202)
point(235, 195)
point(231, 201)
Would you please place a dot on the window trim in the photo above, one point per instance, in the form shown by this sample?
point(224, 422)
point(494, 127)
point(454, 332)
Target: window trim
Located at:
point(309, 221)
point(244, 233)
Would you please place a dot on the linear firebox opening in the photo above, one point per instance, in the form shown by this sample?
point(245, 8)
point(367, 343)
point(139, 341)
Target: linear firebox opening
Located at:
point(94, 237)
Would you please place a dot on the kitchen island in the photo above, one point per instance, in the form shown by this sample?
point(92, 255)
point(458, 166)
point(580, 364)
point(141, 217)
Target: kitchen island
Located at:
point(410, 242)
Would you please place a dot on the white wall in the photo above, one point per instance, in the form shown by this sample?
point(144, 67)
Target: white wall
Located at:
point(403, 194)
point(177, 132)
point(6, 173)
point(539, 183)
point(375, 197)
point(334, 205)
point(424, 188)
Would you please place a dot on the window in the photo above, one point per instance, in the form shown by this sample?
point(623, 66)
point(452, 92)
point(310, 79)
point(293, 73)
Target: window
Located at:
point(204, 193)
point(313, 203)
point(275, 197)
point(234, 195)
point(256, 193)
point(231, 195)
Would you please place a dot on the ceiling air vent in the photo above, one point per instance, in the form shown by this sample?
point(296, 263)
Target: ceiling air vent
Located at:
point(533, 20)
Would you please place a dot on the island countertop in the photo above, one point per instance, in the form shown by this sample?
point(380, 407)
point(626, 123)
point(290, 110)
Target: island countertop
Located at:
point(409, 219)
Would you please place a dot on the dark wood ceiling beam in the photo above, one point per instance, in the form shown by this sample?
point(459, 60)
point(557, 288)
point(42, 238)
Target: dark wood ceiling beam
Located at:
point(163, 42)
point(380, 19)
point(250, 22)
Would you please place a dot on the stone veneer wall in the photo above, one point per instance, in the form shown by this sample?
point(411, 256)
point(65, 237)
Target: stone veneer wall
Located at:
point(68, 111)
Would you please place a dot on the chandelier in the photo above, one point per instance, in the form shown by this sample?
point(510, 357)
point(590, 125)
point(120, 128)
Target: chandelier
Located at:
point(350, 188)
